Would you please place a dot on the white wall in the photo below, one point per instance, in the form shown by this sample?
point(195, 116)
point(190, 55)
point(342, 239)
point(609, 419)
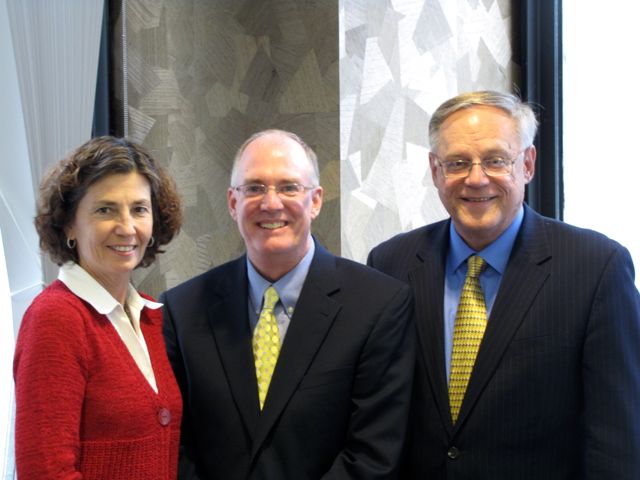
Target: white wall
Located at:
point(6, 353)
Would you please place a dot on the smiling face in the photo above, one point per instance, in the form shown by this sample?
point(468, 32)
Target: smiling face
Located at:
point(480, 206)
point(276, 229)
point(113, 225)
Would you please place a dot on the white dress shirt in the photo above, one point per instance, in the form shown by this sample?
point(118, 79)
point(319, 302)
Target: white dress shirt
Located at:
point(128, 327)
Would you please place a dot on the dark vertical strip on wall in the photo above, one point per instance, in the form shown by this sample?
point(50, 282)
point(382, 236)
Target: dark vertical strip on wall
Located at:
point(541, 85)
point(101, 122)
point(114, 51)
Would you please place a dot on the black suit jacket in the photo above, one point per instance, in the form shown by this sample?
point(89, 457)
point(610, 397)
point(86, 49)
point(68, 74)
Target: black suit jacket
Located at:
point(555, 391)
point(339, 397)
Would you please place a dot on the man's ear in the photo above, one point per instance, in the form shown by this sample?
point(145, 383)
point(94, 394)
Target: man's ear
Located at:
point(232, 202)
point(433, 166)
point(316, 201)
point(529, 163)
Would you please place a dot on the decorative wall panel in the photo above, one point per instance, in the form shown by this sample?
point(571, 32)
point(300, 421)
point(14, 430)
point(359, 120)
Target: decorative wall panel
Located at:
point(399, 59)
point(203, 76)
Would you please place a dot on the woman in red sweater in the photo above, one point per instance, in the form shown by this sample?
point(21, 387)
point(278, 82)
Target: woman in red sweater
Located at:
point(95, 394)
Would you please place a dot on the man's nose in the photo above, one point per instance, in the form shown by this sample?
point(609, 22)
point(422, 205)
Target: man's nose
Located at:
point(271, 198)
point(476, 175)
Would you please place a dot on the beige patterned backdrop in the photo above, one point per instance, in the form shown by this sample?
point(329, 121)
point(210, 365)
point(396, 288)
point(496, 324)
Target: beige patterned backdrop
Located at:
point(204, 75)
point(357, 79)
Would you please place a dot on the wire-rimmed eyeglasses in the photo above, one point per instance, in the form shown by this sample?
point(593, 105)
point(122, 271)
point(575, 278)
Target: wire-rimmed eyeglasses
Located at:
point(492, 165)
point(289, 190)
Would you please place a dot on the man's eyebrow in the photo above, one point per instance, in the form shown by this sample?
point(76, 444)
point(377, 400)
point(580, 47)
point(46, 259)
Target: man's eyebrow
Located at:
point(491, 151)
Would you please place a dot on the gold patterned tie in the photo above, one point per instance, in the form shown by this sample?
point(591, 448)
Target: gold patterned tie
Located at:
point(471, 320)
point(266, 343)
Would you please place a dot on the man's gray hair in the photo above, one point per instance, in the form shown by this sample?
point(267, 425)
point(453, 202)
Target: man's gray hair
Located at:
point(521, 112)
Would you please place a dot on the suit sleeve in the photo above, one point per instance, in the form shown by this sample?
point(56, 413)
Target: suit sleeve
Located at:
point(373, 260)
point(381, 395)
point(611, 373)
point(186, 461)
point(50, 376)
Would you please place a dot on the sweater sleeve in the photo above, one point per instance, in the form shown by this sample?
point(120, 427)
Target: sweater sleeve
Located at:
point(50, 375)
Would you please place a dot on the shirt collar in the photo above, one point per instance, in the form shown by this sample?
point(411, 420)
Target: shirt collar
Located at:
point(496, 254)
point(288, 287)
point(83, 285)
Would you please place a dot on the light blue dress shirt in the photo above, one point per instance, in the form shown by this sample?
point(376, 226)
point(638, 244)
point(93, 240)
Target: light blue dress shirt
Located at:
point(496, 255)
point(288, 288)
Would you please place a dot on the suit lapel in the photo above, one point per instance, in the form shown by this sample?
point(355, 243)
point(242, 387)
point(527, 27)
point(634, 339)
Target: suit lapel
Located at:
point(314, 314)
point(228, 317)
point(427, 282)
point(525, 274)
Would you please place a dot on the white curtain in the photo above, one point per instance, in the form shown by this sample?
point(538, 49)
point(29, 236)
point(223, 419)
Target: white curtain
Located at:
point(56, 44)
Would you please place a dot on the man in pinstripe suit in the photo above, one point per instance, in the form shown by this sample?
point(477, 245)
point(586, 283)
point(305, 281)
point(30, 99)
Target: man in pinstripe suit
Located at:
point(555, 388)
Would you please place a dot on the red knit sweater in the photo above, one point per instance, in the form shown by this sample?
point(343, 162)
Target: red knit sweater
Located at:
point(83, 408)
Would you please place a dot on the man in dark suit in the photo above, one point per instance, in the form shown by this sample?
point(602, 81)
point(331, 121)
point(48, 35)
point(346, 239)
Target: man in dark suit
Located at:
point(546, 384)
point(335, 404)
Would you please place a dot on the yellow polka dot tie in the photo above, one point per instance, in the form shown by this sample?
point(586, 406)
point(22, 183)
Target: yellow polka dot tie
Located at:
point(471, 321)
point(266, 343)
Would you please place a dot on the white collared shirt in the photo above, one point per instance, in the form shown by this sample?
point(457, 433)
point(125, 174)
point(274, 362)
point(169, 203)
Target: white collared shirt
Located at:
point(88, 289)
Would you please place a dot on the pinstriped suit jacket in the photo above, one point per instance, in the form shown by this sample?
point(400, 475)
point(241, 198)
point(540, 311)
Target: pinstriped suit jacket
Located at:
point(555, 391)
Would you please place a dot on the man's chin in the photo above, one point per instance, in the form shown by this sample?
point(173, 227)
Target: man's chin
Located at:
point(274, 247)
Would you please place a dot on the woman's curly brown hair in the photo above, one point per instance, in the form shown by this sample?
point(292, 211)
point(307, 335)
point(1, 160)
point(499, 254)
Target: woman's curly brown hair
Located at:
point(66, 183)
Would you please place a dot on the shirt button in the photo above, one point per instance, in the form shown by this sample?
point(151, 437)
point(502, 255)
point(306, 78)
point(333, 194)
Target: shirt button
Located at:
point(164, 416)
point(453, 453)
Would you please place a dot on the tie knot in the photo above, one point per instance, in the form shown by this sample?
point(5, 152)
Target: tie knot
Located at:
point(475, 265)
point(270, 298)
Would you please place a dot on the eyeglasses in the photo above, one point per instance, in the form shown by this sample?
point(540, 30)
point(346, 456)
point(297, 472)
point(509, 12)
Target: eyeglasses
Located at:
point(289, 190)
point(492, 166)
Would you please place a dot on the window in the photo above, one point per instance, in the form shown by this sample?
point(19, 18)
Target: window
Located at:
point(600, 165)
